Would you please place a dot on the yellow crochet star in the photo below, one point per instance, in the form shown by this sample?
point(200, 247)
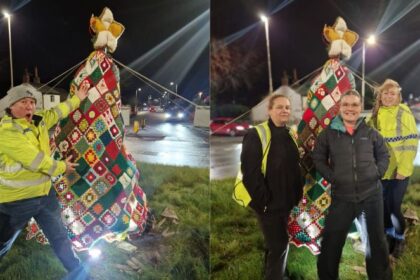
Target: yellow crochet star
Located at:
point(340, 31)
point(106, 22)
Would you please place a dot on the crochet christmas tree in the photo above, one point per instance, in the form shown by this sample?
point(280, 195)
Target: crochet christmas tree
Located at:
point(306, 220)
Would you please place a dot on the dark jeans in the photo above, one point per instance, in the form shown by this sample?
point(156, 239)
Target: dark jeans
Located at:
point(276, 241)
point(337, 224)
point(394, 191)
point(46, 211)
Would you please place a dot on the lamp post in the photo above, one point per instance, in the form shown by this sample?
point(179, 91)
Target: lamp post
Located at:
point(176, 86)
point(137, 100)
point(8, 16)
point(370, 41)
point(267, 39)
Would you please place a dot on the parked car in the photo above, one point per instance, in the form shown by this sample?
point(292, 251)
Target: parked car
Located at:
point(225, 126)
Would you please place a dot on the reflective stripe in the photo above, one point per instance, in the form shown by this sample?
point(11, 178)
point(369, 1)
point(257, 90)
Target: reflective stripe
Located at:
point(26, 183)
point(37, 161)
point(399, 122)
point(405, 148)
point(53, 168)
point(59, 112)
point(265, 136)
point(69, 107)
point(401, 138)
point(11, 168)
point(18, 127)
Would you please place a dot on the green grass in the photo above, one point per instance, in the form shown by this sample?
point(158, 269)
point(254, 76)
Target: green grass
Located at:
point(186, 254)
point(236, 243)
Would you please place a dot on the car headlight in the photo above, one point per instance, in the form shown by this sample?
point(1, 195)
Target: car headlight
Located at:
point(240, 127)
point(180, 115)
point(168, 115)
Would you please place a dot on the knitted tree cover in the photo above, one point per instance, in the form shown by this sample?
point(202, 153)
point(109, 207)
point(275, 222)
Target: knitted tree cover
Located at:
point(306, 220)
point(103, 196)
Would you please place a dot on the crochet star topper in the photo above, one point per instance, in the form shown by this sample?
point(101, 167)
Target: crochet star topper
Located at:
point(340, 38)
point(106, 30)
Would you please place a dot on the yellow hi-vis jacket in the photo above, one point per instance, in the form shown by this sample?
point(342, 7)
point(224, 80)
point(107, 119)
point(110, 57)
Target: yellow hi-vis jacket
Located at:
point(398, 126)
point(26, 166)
point(240, 193)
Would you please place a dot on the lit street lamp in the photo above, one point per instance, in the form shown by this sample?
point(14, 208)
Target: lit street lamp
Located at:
point(371, 40)
point(270, 78)
point(176, 86)
point(8, 16)
point(137, 100)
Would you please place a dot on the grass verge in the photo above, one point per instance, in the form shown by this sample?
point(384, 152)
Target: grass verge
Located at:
point(236, 243)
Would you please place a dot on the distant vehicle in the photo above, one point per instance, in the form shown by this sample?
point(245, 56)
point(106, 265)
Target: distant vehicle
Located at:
point(174, 114)
point(224, 126)
point(155, 109)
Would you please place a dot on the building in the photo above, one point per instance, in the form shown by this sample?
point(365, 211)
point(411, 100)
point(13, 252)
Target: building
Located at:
point(49, 97)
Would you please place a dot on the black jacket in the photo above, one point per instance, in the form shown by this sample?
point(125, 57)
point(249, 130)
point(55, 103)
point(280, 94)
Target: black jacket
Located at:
point(353, 164)
point(282, 187)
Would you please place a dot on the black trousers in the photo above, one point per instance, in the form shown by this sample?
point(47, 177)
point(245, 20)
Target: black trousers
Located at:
point(337, 224)
point(276, 241)
point(394, 191)
point(15, 215)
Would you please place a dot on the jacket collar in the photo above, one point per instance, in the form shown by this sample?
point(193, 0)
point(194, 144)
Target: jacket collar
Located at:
point(338, 124)
point(273, 126)
point(22, 121)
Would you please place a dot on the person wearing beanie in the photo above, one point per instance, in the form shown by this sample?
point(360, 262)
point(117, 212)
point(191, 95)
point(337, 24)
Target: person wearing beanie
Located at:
point(26, 169)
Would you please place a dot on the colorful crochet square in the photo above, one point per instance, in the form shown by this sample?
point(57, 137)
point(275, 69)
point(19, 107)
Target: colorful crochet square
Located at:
point(102, 198)
point(306, 220)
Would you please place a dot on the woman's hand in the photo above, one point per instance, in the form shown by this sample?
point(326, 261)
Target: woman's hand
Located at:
point(82, 92)
point(70, 166)
point(399, 177)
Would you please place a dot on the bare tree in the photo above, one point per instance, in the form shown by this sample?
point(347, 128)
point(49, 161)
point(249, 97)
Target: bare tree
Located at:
point(232, 68)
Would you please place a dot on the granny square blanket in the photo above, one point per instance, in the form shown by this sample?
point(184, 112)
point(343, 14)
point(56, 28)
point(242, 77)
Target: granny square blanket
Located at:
point(306, 220)
point(102, 198)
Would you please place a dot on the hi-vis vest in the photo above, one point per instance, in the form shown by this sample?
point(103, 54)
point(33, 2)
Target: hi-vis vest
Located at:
point(398, 127)
point(26, 166)
point(240, 193)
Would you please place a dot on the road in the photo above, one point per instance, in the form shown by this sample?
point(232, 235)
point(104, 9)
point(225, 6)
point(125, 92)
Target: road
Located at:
point(168, 143)
point(224, 156)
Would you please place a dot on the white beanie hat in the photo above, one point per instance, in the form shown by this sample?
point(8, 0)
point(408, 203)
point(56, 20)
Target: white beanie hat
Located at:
point(19, 92)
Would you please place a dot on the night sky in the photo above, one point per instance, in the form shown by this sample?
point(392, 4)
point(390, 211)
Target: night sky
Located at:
point(54, 35)
point(296, 39)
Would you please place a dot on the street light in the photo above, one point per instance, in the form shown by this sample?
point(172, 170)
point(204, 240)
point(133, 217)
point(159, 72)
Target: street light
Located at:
point(270, 78)
point(371, 40)
point(8, 16)
point(137, 100)
point(176, 86)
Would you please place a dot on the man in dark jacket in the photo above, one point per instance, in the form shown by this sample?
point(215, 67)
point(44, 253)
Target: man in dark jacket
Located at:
point(352, 157)
point(275, 194)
